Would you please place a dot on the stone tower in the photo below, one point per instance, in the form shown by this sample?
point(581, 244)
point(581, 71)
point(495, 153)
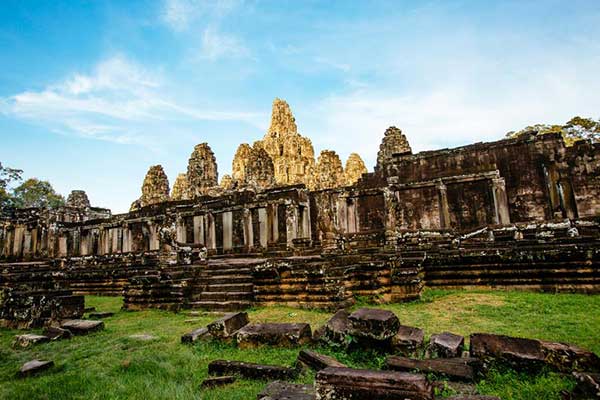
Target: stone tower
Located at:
point(253, 167)
point(202, 170)
point(240, 162)
point(78, 199)
point(355, 168)
point(394, 142)
point(328, 172)
point(293, 155)
point(155, 188)
point(181, 188)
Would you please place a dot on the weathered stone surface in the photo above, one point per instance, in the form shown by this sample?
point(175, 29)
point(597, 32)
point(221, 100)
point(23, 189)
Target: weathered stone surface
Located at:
point(287, 391)
point(29, 339)
point(56, 333)
point(455, 368)
point(588, 386)
point(328, 171)
point(354, 169)
point(394, 142)
point(194, 335)
point(251, 370)
point(217, 381)
point(82, 326)
point(357, 384)
point(155, 188)
point(34, 366)
point(292, 154)
point(202, 172)
point(228, 325)
point(253, 167)
point(336, 329)
point(316, 361)
point(101, 315)
point(446, 345)
point(227, 182)
point(408, 340)
point(181, 188)
point(373, 323)
point(531, 354)
point(274, 334)
point(78, 199)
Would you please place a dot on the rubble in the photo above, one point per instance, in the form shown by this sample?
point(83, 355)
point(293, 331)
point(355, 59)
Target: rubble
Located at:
point(287, 391)
point(316, 361)
point(274, 334)
point(372, 323)
point(194, 335)
point(228, 325)
point(34, 367)
point(29, 339)
point(250, 370)
point(455, 368)
point(446, 345)
point(82, 326)
point(217, 381)
point(408, 340)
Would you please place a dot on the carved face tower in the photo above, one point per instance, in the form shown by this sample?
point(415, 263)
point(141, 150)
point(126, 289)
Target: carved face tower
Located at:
point(394, 142)
point(155, 188)
point(202, 170)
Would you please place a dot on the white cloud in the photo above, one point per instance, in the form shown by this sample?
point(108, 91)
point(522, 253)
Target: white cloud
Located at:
point(180, 14)
point(217, 45)
point(119, 101)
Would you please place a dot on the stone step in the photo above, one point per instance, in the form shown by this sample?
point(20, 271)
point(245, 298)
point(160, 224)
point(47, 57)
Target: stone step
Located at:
point(221, 305)
point(230, 287)
point(228, 270)
point(224, 296)
point(224, 279)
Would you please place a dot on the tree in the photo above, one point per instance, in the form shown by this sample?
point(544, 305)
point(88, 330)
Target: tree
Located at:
point(7, 176)
point(36, 193)
point(575, 129)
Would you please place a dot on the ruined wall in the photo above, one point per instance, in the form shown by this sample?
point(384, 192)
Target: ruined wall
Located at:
point(584, 168)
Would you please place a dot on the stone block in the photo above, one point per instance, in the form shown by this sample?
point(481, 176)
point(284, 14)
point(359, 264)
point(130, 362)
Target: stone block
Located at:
point(34, 366)
point(82, 326)
point(445, 345)
point(357, 384)
point(194, 335)
point(336, 329)
point(251, 370)
point(373, 323)
point(453, 368)
point(287, 391)
point(588, 386)
point(274, 334)
point(317, 361)
point(29, 339)
point(217, 381)
point(56, 333)
point(228, 325)
point(532, 354)
point(408, 340)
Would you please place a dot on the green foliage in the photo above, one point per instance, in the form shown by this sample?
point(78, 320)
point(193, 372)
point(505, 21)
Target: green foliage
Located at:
point(577, 128)
point(36, 193)
point(111, 365)
point(7, 176)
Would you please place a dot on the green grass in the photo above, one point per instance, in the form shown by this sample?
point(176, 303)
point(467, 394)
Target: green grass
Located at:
point(110, 365)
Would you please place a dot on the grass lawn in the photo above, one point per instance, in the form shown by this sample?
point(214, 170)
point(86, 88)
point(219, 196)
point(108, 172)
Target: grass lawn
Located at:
point(111, 365)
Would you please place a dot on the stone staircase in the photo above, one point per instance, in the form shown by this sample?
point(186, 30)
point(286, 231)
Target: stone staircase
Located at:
point(225, 285)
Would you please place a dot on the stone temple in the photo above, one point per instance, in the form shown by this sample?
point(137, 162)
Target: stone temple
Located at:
point(287, 227)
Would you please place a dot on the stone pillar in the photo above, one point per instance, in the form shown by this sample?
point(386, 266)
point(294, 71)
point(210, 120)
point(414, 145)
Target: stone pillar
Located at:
point(62, 246)
point(342, 215)
point(263, 226)
point(443, 205)
point(227, 230)
point(502, 215)
point(27, 243)
point(273, 223)
point(304, 222)
point(18, 241)
point(211, 236)
point(180, 234)
point(114, 232)
point(248, 234)
point(198, 222)
point(126, 239)
point(291, 216)
point(154, 239)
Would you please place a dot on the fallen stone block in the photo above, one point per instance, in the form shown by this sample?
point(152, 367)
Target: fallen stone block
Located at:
point(82, 326)
point(408, 340)
point(454, 368)
point(359, 384)
point(56, 333)
point(287, 391)
point(532, 354)
point(445, 345)
point(373, 323)
point(336, 330)
point(228, 325)
point(273, 334)
point(195, 335)
point(217, 381)
point(100, 315)
point(34, 366)
point(588, 386)
point(29, 339)
point(317, 361)
point(251, 370)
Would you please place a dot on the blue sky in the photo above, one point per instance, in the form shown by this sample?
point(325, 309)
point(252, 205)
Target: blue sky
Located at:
point(94, 92)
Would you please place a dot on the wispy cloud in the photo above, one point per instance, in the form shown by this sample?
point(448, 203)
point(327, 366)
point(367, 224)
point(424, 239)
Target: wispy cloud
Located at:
point(179, 15)
point(216, 45)
point(120, 101)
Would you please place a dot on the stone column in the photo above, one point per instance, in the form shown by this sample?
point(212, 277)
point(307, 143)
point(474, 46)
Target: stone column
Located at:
point(18, 241)
point(198, 221)
point(263, 227)
point(502, 215)
point(227, 230)
point(273, 223)
point(342, 215)
point(291, 217)
point(180, 232)
point(248, 234)
point(443, 205)
point(211, 237)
